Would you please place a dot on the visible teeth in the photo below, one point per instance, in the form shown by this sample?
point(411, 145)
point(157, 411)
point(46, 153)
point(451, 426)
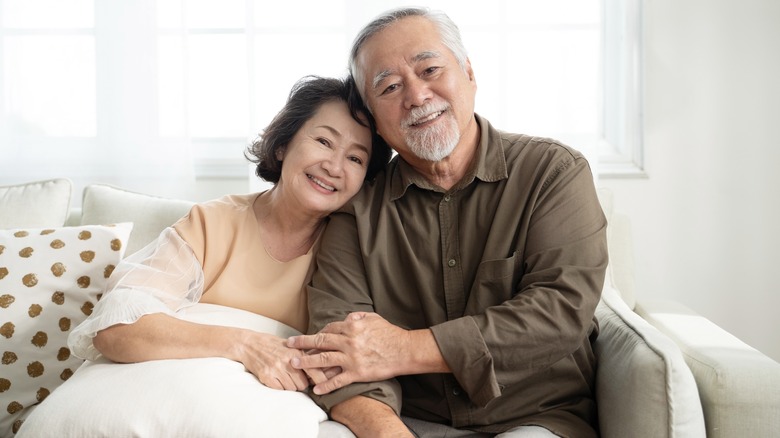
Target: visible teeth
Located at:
point(321, 184)
point(430, 117)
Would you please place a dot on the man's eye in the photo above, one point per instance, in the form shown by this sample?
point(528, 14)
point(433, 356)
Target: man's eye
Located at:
point(430, 70)
point(390, 89)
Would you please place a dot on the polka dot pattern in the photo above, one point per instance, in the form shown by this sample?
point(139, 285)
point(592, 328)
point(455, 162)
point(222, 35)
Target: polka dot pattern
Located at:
point(50, 280)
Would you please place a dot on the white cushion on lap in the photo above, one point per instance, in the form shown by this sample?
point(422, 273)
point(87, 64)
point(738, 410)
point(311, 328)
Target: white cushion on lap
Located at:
point(213, 314)
point(191, 397)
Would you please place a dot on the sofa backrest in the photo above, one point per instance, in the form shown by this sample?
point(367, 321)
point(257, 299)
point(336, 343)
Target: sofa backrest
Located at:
point(46, 204)
point(105, 204)
point(620, 272)
point(36, 204)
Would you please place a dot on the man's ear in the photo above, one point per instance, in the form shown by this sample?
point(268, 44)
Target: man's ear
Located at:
point(469, 70)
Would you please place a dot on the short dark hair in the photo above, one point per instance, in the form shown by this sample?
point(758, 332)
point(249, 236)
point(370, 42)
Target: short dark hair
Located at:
point(306, 97)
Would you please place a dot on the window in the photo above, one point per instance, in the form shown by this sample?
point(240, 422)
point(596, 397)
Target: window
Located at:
point(170, 90)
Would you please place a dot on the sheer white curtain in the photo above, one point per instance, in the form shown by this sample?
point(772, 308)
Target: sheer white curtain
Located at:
point(162, 95)
point(80, 96)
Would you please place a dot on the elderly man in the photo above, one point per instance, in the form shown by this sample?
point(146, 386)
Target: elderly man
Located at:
point(456, 294)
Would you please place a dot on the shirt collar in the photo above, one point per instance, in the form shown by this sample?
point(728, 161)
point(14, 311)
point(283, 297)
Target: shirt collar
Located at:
point(490, 165)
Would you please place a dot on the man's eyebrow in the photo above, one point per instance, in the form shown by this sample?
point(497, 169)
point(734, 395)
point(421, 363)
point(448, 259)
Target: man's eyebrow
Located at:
point(428, 54)
point(379, 78)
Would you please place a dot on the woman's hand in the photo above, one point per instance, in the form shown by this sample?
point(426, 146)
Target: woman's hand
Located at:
point(159, 336)
point(268, 358)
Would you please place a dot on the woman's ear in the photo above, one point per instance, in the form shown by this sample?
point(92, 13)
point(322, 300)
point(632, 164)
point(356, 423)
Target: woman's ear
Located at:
point(280, 154)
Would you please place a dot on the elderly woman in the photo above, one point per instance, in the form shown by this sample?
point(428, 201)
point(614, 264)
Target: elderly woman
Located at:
point(252, 252)
point(246, 254)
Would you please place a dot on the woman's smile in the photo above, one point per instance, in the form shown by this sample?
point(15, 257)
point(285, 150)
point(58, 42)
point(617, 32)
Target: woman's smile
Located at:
point(319, 183)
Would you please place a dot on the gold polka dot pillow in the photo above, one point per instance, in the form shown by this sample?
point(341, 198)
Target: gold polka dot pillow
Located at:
point(50, 279)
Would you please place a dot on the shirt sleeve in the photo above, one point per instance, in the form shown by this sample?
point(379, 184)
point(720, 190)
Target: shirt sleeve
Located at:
point(341, 272)
point(551, 312)
point(163, 277)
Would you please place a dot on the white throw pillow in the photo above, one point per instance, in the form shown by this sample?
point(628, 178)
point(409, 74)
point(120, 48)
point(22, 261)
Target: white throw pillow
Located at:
point(209, 397)
point(104, 204)
point(50, 279)
point(35, 204)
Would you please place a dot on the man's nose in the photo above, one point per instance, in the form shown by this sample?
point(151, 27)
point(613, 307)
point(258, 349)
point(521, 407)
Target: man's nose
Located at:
point(417, 92)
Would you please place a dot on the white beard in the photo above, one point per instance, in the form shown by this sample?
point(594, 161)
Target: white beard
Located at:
point(436, 142)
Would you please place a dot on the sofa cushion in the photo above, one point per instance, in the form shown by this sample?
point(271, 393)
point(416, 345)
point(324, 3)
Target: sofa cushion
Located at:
point(50, 280)
point(643, 386)
point(35, 204)
point(187, 397)
point(103, 204)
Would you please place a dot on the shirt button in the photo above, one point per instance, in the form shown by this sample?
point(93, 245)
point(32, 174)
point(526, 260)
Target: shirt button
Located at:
point(456, 391)
point(451, 263)
point(446, 198)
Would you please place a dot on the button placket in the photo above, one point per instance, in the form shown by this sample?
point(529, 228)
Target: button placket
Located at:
point(453, 277)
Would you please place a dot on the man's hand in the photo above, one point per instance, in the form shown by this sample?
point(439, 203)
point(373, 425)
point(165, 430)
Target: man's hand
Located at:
point(366, 348)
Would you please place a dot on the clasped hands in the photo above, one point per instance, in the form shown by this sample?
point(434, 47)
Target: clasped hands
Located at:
point(363, 348)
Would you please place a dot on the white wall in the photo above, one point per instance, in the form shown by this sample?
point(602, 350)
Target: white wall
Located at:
point(706, 221)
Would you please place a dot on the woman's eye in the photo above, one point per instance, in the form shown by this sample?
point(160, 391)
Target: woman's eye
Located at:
point(323, 141)
point(357, 160)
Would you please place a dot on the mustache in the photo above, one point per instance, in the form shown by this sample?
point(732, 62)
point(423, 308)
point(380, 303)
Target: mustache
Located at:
point(421, 112)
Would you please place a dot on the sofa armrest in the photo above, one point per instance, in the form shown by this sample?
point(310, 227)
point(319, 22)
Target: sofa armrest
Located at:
point(643, 386)
point(739, 386)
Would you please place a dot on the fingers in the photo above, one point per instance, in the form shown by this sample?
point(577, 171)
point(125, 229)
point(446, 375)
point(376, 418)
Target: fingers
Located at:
point(320, 341)
point(316, 375)
point(322, 359)
point(300, 381)
point(338, 381)
point(295, 380)
point(330, 372)
point(333, 336)
point(268, 358)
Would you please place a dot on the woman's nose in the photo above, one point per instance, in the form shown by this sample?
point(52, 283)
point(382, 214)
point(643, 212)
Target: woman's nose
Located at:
point(334, 164)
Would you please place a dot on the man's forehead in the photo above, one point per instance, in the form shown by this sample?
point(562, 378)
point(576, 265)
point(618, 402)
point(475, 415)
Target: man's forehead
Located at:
point(409, 34)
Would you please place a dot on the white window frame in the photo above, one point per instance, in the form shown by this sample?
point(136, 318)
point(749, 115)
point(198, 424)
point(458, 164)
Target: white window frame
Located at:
point(621, 152)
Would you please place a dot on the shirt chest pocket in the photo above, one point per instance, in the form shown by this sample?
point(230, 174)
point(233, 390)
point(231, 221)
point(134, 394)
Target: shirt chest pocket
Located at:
point(494, 283)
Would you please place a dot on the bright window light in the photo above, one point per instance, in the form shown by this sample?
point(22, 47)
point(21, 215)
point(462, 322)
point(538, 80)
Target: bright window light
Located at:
point(204, 77)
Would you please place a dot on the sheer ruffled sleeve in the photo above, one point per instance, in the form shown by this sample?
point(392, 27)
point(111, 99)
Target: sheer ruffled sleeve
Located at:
point(163, 277)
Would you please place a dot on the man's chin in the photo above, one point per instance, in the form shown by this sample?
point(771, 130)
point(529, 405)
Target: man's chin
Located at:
point(433, 154)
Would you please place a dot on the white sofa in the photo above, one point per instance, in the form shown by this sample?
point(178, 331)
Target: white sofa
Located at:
point(664, 371)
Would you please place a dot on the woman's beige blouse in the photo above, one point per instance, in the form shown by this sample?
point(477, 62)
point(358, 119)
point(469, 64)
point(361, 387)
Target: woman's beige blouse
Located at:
point(213, 255)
